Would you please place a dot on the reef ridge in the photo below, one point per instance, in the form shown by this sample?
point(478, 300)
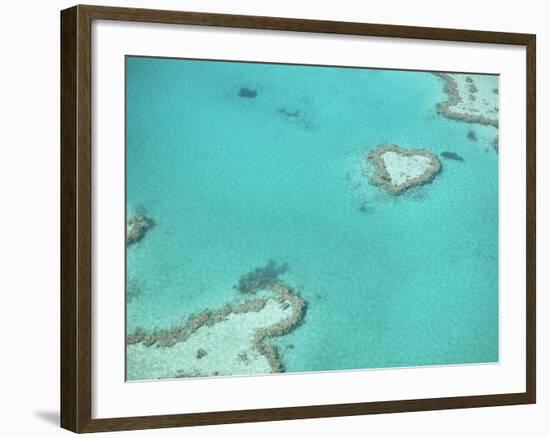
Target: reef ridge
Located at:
point(397, 169)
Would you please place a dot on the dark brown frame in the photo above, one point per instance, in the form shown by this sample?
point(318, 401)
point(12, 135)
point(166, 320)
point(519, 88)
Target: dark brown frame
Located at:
point(76, 225)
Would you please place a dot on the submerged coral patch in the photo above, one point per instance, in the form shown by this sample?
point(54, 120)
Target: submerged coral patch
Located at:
point(397, 169)
point(298, 118)
point(288, 113)
point(366, 208)
point(451, 156)
point(261, 278)
point(137, 226)
point(134, 289)
point(247, 92)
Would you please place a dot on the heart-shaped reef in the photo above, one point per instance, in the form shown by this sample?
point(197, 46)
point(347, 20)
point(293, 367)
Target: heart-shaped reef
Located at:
point(397, 169)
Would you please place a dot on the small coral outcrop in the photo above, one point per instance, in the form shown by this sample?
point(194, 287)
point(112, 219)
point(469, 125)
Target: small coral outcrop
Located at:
point(247, 92)
point(137, 226)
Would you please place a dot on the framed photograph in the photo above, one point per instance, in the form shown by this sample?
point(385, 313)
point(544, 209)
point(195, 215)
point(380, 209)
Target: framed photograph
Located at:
point(272, 218)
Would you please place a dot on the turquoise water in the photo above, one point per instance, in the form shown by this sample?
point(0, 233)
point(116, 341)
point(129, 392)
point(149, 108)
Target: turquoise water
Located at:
point(232, 182)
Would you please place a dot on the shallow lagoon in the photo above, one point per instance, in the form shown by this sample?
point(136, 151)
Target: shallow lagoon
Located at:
point(233, 182)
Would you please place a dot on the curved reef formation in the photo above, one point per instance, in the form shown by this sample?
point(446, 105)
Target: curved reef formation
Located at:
point(137, 227)
point(397, 169)
point(233, 340)
point(469, 99)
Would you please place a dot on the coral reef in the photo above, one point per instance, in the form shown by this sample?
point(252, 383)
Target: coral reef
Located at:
point(456, 107)
point(213, 327)
point(261, 278)
point(137, 226)
point(247, 92)
point(472, 136)
point(397, 169)
point(281, 328)
point(168, 338)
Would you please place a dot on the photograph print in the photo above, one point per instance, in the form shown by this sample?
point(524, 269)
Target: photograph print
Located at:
point(285, 218)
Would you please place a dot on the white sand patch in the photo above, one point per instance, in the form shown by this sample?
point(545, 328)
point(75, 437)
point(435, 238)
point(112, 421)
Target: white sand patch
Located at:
point(402, 169)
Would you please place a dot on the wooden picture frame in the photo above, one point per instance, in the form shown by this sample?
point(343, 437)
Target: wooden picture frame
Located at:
point(76, 218)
